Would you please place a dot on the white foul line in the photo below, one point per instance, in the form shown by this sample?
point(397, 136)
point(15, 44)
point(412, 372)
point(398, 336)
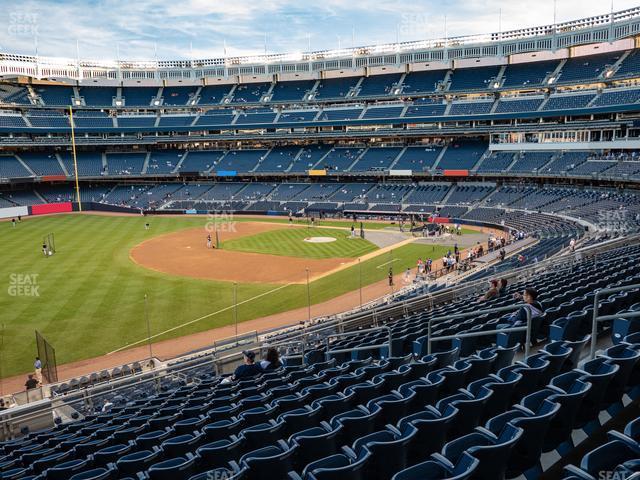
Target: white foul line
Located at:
point(198, 319)
point(387, 263)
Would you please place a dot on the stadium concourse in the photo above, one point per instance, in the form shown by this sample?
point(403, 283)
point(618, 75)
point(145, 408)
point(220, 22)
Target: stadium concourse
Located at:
point(532, 135)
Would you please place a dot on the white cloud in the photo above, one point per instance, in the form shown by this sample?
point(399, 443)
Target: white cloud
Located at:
point(180, 29)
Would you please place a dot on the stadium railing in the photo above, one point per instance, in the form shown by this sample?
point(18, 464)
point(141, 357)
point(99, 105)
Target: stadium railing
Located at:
point(509, 308)
point(607, 318)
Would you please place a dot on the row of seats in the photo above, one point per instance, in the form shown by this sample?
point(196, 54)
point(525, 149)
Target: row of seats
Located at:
point(303, 422)
point(573, 70)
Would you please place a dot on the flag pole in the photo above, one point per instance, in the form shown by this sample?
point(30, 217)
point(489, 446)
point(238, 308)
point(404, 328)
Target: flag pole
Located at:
point(75, 158)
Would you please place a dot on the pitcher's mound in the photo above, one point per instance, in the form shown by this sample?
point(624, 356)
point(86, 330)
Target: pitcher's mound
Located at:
point(320, 239)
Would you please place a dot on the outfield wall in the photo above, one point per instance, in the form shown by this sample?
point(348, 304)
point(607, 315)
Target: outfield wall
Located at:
point(13, 212)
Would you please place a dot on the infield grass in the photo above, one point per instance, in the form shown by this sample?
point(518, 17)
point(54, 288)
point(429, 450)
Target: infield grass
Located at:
point(89, 296)
point(291, 242)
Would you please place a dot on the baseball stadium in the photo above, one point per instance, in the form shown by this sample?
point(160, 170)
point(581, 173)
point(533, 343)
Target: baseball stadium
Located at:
point(400, 261)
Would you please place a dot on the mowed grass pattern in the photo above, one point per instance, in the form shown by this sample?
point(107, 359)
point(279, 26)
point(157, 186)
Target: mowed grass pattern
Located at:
point(91, 295)
point(290, 242)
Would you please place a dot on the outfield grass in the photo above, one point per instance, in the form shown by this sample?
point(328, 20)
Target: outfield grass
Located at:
point(290, 242)
point(90, 295)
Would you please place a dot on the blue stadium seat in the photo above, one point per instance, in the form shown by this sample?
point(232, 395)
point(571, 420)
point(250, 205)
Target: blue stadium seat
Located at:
point(432, 430)
point(152, 439)
point(182, 444)
point(179, 468)
point(599, 373)
point(491, 450)
point(626, 358)
point(315, 443)
point(342, 466)
point(262, 434)
point(355, 423)
point(110, 454)
point(534, 424)
point(274, 461)
point(603, 459)
point(470, 410)
point(64, 470)
point(576, 350)
point(217, 454)
point(569, 395)
point(232, 472)
point(440, 468)
point(502, 386)
point(222, 429)
point(95, 474)
point(426, 391)
point(392, 407)
point(299, 419)
point(505, 356)
point(138, 461)
point(389, 451)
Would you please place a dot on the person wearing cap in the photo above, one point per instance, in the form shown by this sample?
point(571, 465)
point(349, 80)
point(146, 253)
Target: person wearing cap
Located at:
point(249, 368)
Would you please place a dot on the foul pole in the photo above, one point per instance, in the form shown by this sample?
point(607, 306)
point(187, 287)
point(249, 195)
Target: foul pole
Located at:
point(75, 159)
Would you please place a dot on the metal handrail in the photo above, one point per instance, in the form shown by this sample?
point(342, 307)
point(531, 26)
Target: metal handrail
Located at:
point(363, 348)
point(603, 318)
point(87, 394)
point(510, 308)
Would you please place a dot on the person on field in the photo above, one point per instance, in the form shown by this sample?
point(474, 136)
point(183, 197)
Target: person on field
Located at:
point(45, 250)
point(209, 241)
point(390, 276)
point(37, 367)
point(13, 222)
point(407, 275)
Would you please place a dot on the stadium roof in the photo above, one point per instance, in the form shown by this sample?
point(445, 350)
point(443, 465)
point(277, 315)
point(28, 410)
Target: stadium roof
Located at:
point(597, 29)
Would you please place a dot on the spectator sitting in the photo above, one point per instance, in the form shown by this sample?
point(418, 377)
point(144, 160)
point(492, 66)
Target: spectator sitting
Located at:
point(502, 286)
point(249, 369)
point(519, 318)
point(31, 383)
point(271, 361)
point(492, 292)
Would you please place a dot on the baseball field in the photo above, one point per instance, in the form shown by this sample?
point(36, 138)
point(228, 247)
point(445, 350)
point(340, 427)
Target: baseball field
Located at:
point(88, 299)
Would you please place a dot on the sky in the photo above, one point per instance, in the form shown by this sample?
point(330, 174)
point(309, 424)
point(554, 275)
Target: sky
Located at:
point(161, 29)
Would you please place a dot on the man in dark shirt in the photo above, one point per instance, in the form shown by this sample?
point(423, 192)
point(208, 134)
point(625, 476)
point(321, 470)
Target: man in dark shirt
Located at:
point(519, 317)
point(249, 369)
point(31, 383)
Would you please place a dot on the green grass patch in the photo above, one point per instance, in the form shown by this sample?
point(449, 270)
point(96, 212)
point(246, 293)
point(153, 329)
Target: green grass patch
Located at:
point(90, 295)
point(290, 242)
